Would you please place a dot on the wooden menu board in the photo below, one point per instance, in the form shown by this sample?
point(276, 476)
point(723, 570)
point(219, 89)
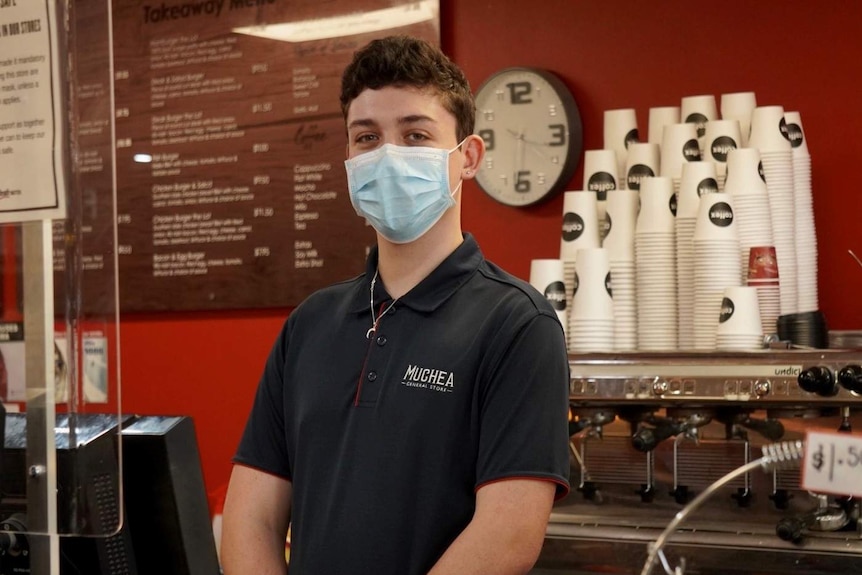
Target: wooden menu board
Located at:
point(241, 200)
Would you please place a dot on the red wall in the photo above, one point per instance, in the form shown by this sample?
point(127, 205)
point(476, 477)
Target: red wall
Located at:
point(805, 56)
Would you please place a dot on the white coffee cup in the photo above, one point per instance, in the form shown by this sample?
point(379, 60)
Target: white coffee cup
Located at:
point(620, 131)
point(698, 110)
point(767, 123)
point(795, 133)
point(593, 295)
point(698, 178)
point(739, 106)
point(721, 137)
point(643, 161)
point(678, 146)
point(622, 212)
point(657, 206)
point(547, 276)
point(659, 117)
point(600, 172)
point(580, 227)
point(744, 172)
point(740, 312)
point(715, 218)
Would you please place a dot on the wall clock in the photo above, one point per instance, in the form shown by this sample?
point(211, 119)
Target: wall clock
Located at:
point(533, 135)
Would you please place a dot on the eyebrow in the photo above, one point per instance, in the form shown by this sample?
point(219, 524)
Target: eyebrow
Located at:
point(404, 120)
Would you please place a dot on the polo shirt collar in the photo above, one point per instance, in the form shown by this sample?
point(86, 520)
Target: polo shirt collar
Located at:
point(432, 291)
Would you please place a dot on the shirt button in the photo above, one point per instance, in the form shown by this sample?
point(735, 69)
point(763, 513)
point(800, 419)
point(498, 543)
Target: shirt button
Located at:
point(372, 375)
point(381, 340)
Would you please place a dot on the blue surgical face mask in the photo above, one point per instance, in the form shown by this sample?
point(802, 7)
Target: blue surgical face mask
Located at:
point(401, 190)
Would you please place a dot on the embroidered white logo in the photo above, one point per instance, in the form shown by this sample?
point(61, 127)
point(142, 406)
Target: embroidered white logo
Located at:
point(427, 378)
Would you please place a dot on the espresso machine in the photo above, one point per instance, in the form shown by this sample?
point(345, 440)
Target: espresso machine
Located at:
point(650, 432)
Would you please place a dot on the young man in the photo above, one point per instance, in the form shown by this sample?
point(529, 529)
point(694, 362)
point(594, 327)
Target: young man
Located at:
point(412, 420)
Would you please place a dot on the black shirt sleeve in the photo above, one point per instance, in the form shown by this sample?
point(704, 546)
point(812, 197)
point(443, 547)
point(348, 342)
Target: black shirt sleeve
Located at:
point(524, 425)
point(263, 444)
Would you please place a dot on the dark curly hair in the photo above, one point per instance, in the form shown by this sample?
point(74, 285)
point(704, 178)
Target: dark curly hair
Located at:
point(408, 61)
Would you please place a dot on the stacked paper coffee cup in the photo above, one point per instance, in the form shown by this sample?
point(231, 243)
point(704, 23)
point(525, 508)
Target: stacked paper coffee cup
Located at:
point(763, 276)
point(591, 324)
point(699, 110)
point(546, 275)
point(600, 176)
point(678, 147)
point(750, 200)
point(722, 136)
point(659, 117)
point(776, 157)
point(695, 225)
point(739, 106)
point(620, 132)
point(716, 265)
point(580, 229)
point(698, 178)
point(622, 213)
point(739, 327)
point(805, 236)
point(656, 266)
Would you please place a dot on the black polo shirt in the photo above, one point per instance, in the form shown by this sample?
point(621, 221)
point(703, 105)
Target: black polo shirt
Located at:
point(386, 439)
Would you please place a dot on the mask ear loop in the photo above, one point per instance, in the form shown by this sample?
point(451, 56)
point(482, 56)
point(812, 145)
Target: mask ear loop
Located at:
point(460, 179)
point(468, 171)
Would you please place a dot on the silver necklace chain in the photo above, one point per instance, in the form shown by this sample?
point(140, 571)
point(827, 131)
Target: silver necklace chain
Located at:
point(375, 321)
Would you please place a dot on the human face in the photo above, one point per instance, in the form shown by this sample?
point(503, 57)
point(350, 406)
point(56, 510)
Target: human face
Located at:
point(403, 116)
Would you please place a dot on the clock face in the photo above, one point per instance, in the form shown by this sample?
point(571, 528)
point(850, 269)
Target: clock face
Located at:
point(533, 136)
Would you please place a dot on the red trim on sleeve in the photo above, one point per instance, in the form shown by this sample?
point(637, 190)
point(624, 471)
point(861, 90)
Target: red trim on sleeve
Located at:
point(562, 490)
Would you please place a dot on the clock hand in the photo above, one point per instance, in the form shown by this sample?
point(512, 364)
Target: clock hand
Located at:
point(533, 145)
point(523, 139)
point(519, 154)
point(540, 153)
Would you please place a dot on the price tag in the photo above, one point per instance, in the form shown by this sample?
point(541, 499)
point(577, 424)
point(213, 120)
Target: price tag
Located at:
point(833, 463)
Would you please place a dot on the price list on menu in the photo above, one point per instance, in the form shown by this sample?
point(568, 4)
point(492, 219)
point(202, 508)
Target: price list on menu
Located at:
point(230, 143)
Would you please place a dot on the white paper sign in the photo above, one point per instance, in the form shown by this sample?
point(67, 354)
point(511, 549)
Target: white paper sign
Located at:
point(833, 463)
point(95, 368)
point(31, 113)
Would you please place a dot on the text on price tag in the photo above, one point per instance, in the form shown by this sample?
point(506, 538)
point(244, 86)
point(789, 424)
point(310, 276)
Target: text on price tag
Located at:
point(833, 463)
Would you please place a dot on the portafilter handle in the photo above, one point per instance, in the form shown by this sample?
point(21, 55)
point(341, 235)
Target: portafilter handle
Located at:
point(771, 429)
point(647, 438)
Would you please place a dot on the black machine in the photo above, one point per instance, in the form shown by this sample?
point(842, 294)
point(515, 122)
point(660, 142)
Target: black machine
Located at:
point(155, 521)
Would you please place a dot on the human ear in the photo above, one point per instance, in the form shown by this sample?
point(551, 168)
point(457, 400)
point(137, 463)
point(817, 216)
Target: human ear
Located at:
point(474, 150)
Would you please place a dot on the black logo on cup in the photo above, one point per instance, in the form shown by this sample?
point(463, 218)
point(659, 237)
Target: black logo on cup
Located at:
point(782, 127)
point(720, 147)
point(601, 182)
point(573, 226)
point(608, 285)
point(707, 186)
point(672, 204)
point(556, 294)
point(691, 151)
point(760, 171)
point(727, 309)
point(699, 120)
point(575, 283)
point(632, 137)
point(636, 174)
point(605, 226)
point(721, 214)
point(794, 134)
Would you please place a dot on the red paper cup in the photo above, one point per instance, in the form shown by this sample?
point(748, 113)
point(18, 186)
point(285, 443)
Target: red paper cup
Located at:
point(762, 263)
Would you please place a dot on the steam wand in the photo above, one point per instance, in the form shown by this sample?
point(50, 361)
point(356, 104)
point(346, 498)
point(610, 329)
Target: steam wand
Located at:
point(775, 455)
